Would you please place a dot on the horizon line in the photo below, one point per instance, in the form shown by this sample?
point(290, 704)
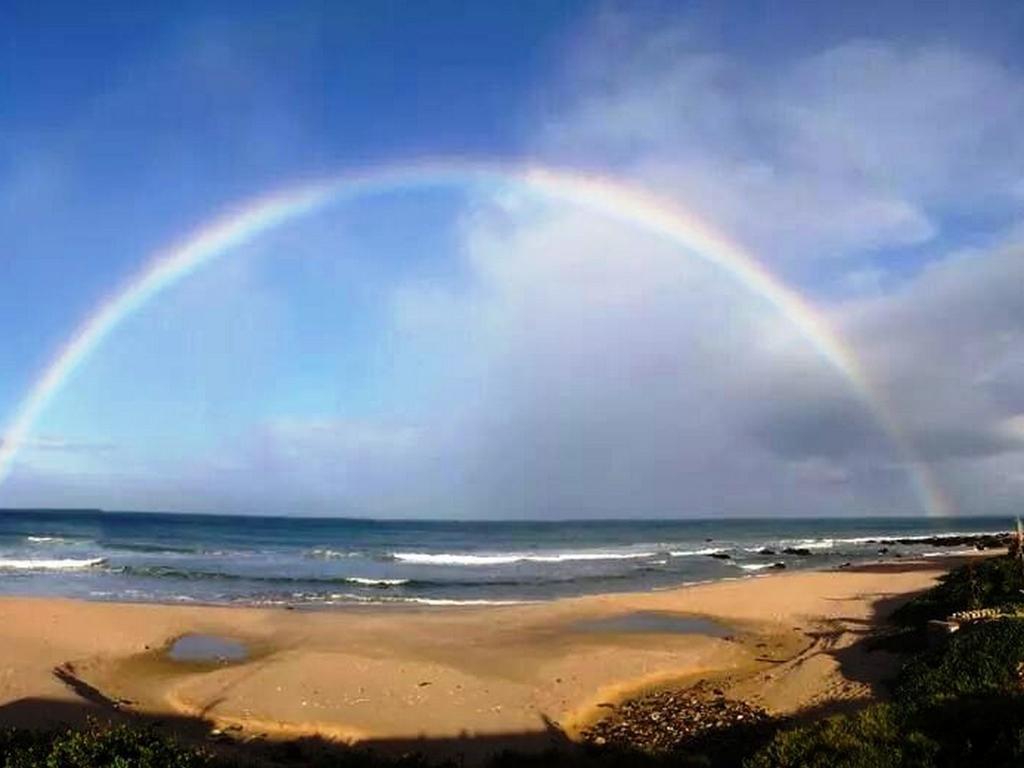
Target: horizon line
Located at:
point(471, 520)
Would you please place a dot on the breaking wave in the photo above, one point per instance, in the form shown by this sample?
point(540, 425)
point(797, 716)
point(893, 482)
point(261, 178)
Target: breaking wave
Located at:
point(64, 564)
point(694, 552)
point(445, 558)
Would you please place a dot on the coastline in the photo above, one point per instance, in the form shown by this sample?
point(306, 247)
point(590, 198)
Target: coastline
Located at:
point(380, 676)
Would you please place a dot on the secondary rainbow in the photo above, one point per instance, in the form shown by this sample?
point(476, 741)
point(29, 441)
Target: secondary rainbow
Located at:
point(602, 195)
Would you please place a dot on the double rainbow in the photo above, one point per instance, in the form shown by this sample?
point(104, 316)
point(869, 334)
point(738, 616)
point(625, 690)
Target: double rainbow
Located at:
point(600, 195)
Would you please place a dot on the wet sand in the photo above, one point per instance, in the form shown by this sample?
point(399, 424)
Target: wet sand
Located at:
point(785, 641)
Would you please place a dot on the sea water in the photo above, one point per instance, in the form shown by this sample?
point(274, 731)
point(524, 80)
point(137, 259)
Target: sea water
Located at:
point(306, 562)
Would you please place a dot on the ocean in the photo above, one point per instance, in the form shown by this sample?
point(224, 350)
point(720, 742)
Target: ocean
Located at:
point(306, 562)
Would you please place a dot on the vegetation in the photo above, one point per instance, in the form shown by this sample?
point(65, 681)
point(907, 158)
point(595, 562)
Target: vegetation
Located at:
point(995, 582)
point(958, 705)
point(984, 659)
point(96, 746)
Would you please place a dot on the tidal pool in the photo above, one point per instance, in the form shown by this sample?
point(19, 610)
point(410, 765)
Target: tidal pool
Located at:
point(656, 622)
point(206, 649)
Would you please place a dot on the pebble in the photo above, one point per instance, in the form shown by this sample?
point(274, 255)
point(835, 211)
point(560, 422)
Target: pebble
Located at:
point(667, 720)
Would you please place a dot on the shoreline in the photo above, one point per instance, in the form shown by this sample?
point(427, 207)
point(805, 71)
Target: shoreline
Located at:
point(380, 674)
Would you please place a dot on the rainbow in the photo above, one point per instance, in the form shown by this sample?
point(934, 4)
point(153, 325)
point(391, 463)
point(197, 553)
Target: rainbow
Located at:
point(598, 194)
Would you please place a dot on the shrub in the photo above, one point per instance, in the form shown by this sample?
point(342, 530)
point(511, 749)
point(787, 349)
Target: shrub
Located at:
point(97, 746)
point(981, 659)
point(991, 583)
point(983, 730)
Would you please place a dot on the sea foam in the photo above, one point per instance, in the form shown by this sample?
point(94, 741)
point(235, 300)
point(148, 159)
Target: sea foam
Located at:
point(66, 564)
point(694, 552)
point(446, 558)
point(364, 582)
point(757, 566)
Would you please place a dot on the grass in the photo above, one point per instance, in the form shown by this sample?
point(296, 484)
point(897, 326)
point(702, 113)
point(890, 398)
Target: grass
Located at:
point(876, 737)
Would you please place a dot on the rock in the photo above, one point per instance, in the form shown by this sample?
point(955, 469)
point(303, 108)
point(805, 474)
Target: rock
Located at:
point(799, 551)
point(980, 540)
point(766, 551)
point(720, 555)
point(778, 566)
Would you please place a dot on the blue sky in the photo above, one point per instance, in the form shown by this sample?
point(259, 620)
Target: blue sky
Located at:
point(476, 352)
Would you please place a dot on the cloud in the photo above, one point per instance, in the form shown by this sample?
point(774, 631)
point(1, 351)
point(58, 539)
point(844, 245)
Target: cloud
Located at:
point(620, 377)
point(60, 444)
point(861, 147)
point(579, 367)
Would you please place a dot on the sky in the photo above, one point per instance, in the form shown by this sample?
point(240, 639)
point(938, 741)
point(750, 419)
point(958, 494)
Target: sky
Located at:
point(475, 349)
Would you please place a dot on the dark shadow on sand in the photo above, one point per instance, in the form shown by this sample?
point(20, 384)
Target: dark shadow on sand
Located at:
point(253, 748)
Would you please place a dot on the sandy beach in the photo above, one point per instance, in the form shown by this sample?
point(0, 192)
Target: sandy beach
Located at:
point(380, 676)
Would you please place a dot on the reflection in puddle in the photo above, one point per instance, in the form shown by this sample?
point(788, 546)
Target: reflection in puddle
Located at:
point(655, 622)
point(206, 649)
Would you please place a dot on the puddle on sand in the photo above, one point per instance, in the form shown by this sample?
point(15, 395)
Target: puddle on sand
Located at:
point(206, 649)
point(655, 622)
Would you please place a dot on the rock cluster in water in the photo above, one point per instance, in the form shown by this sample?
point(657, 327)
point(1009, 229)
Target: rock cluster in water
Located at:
point(978, 541)
point(670, 720)
point(799, 551)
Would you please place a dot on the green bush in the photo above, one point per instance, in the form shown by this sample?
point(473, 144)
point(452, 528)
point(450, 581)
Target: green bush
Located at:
point(984, 730)
point(96, 746)
point(991, 583)
point(981, 659)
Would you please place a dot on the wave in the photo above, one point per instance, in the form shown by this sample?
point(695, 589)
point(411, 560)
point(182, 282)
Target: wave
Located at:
point(950, 553)
point(323, 553)
point(454, 602)
point(811, 543)
point(376, 582)
point(448, 601)
point(757, 566)
point(347, 598)
point(446, 558)
point(45, 539)
point(65, 564)
point(694, 552)
point(156, 549)
point(170, 572)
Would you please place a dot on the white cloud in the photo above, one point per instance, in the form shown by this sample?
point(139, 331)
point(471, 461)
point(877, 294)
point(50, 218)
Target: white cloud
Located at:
point(861, 147)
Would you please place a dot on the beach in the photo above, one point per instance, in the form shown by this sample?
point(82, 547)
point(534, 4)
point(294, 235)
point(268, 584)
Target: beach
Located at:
point(391, 677)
